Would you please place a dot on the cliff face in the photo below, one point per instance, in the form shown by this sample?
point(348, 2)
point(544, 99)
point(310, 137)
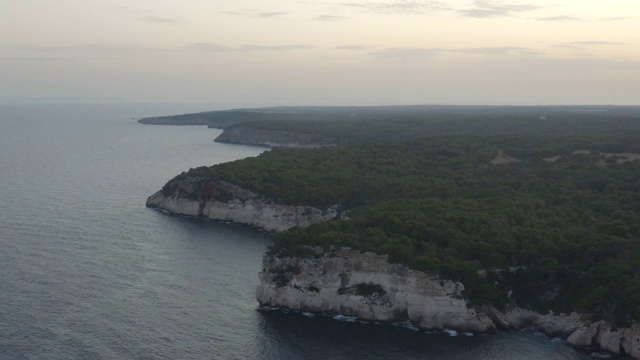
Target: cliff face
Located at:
point(226, 202)
point(240, 134)
point(621, 341)
point(366, 286)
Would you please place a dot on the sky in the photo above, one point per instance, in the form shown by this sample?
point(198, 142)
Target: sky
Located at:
point(322, 52)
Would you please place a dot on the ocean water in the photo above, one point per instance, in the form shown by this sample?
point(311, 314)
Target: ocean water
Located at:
point(87, 272)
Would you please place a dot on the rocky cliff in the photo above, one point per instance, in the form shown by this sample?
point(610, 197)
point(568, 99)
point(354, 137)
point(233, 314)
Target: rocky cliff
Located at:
point(366, 286)
point(621, 341)
point(222, 201)
point(241, 134)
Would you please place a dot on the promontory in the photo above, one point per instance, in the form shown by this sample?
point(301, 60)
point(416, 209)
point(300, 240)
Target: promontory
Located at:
point(485, 227)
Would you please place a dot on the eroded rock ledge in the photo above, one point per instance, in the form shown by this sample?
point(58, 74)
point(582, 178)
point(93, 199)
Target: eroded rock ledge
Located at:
point(366, 286)
point(222, 201)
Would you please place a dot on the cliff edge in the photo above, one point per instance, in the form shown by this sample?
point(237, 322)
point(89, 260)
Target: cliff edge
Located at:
point(365, 285)
point(219, 200)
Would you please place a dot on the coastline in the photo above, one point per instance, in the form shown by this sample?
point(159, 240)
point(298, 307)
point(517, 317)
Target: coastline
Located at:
point(329, 282)
point(364, 285)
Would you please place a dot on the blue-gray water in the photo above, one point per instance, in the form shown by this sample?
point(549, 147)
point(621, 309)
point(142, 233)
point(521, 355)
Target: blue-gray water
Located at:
point(87, 272)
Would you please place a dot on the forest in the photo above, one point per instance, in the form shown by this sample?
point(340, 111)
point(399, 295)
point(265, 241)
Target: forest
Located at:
point(548, 220)
point(353, 124)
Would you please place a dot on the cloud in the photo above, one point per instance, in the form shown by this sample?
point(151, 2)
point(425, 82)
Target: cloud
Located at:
point(398, 7)
point(388, 7)
point(562, 18)
point(500, 51)
point(559, 18)
point(352, 47)
point(330, 18)
point(408, 53)
point(594, 43)
point(255, 13)
point(618, 18)
point(208, 47)
point(269, 14)
point(274, 48)
point(124, 52)
point(488, 9)
point(160, 20)
point(82, 48)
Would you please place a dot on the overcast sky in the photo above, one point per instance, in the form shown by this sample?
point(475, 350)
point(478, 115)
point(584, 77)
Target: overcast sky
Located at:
point(307, 52)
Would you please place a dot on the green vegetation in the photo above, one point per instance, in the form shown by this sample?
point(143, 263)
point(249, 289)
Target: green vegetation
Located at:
point(560, 234)
point(349, 124)
point(400, 124)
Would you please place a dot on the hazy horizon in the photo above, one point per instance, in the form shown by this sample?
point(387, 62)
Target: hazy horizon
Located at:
point(388, 52)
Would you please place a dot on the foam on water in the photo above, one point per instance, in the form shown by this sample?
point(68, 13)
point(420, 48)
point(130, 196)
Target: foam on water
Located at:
point(345, 318)
point(408, 325)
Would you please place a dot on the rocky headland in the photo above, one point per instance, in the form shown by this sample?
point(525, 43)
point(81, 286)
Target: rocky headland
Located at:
point(365, 285)
point(221, 201)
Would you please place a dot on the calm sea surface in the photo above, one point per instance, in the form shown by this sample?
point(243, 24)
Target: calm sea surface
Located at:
point(87, 272)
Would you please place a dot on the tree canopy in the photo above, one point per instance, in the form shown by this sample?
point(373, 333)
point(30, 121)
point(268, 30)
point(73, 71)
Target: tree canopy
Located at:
point(557, 226)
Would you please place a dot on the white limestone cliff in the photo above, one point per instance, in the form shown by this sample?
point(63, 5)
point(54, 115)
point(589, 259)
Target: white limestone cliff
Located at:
point(365, 285)
point(226, 202)
point(514, 318)
point(601, 335)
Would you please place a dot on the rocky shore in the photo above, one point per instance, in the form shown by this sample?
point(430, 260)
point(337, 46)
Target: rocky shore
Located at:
point(365, 285)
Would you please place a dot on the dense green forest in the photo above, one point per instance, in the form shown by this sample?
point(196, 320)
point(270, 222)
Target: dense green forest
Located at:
point(351, 124)
point(556, 225)
point(400, 124)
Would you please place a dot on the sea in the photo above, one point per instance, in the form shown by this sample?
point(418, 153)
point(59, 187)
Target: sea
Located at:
point(88, 272)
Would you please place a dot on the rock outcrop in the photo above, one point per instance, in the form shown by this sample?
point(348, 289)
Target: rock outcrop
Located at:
point(226, 202)
point(242, 134)
point(601, 335)
point(366, 286)
point(560, 325)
